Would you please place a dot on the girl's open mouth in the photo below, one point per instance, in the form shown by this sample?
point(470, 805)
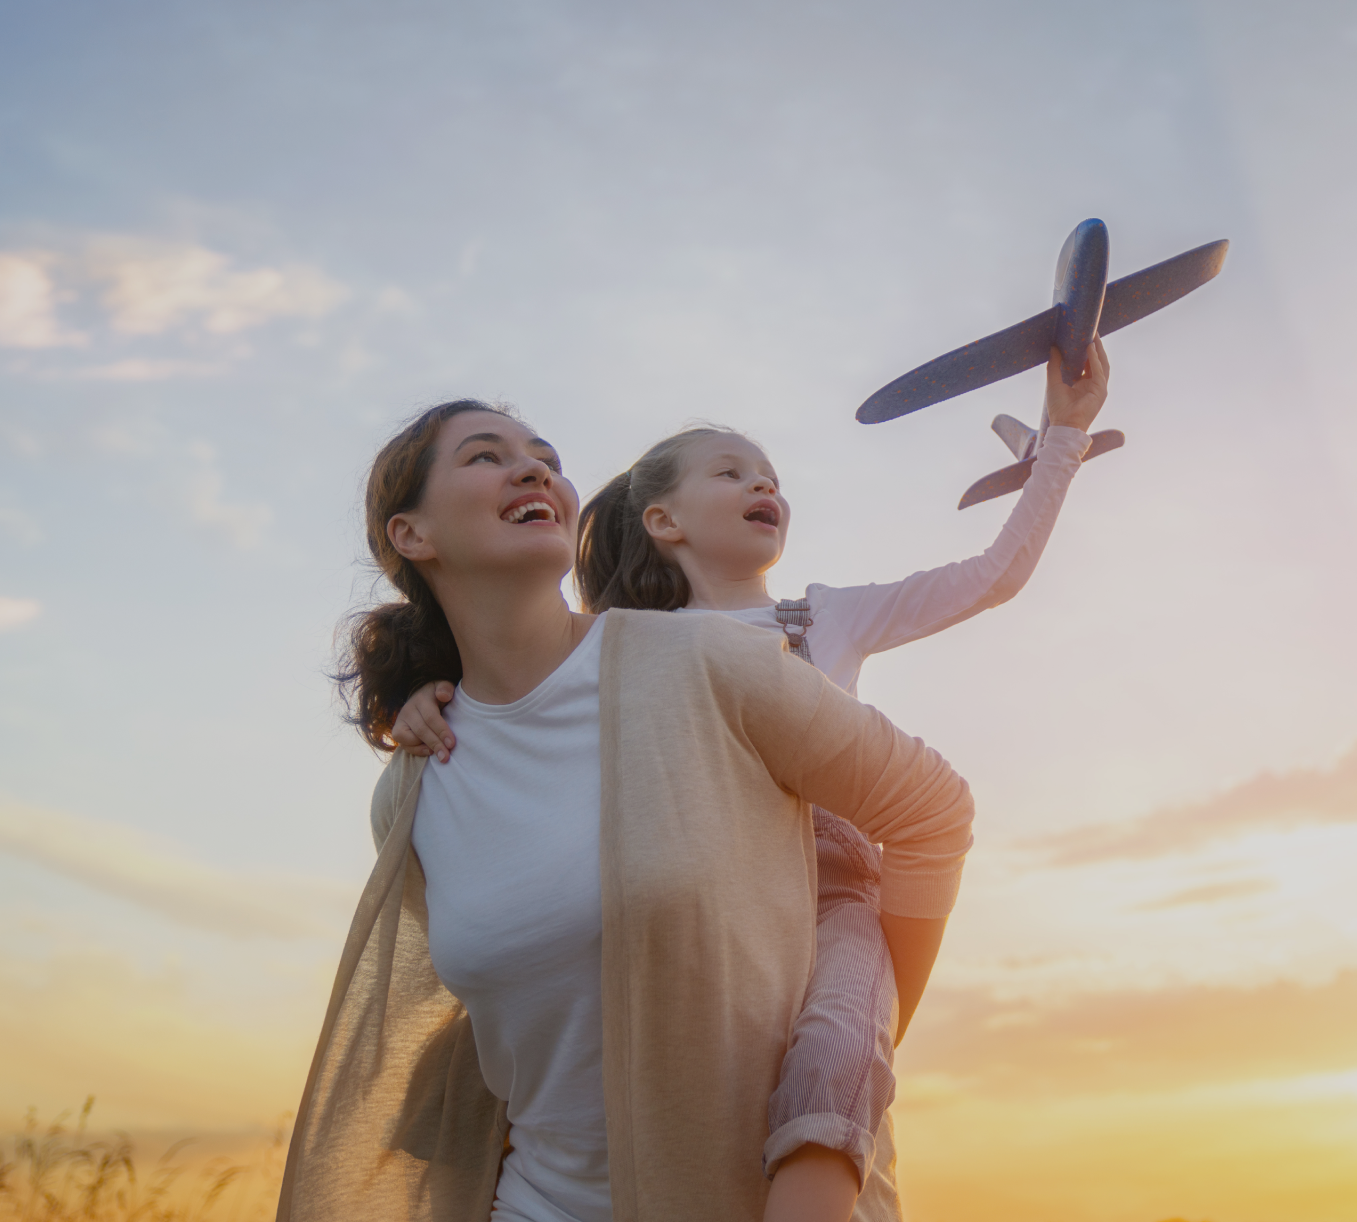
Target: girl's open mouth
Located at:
point(765, 512)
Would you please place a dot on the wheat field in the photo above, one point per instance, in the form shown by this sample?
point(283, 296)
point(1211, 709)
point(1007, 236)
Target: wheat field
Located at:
point(69, 1172)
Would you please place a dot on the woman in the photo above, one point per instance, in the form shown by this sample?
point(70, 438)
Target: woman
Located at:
point(611, 883)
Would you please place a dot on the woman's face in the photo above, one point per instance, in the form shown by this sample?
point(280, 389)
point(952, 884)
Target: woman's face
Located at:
point(727, 507)
point(495, 504)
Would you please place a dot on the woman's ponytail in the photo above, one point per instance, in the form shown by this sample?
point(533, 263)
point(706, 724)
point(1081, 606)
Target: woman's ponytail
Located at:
point(386, 653)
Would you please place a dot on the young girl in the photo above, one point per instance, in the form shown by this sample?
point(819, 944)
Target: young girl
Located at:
point(694, 526)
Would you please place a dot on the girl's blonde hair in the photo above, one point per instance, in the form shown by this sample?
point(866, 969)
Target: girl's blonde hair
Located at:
point(618, 563)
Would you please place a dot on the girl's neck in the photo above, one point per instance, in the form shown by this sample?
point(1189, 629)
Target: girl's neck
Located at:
point(711, 592)
point(510, 637)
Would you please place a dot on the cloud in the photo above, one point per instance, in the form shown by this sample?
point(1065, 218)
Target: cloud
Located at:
point(1211, 893)
point(20, 527)
point(1309, 795)
point(159, 877)
point(28, 300)
point(138, 370)
point(16, 612)
point(150, 288)
point(154, 1051)
point(145, 288)
point(241, 524)
point(1134, 1041)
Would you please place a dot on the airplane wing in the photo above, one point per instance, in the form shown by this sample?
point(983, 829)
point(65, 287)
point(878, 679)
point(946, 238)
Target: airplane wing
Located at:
point(1010, 479)
point(1028, 344)
point(1152, 288)
point(991, 359)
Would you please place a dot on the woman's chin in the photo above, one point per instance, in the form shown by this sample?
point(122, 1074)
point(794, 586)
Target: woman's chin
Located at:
point(532, 546)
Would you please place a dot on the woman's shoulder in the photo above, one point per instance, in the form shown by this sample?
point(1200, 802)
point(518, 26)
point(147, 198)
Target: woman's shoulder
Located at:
point(399, 781)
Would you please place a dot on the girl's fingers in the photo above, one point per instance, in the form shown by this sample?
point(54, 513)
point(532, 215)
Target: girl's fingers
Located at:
point(443, 691)
point(421, 737)
point(1099, 365)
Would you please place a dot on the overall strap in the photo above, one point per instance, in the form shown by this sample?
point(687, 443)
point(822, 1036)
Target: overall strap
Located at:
point(794, 616)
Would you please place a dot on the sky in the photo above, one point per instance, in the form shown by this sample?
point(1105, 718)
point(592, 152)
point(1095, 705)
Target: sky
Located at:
point(240, 244)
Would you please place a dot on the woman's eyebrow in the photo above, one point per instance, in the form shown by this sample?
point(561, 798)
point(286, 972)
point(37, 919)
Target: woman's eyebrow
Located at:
point(466, 441)
point(536, 442)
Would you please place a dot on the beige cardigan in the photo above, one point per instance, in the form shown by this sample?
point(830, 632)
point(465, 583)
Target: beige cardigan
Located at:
point(714, 743)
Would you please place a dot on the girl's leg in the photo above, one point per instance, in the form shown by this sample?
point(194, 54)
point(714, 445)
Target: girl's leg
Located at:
point(836, 1080)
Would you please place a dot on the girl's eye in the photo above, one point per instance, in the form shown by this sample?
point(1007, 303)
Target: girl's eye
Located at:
point(490, 454)
point(731, 472)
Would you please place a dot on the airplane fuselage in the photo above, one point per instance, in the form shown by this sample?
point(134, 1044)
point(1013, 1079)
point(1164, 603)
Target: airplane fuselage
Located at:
point(1080, 285)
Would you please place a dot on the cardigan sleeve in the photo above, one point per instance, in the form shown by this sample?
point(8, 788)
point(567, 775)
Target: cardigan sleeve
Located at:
point(823, 745)
point(399, 780)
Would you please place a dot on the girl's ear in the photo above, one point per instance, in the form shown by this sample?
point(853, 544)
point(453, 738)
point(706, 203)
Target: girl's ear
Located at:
point(407, 538)
point(660, 525)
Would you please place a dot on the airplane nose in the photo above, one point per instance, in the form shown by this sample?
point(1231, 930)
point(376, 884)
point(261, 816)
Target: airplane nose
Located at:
point(1080, 283)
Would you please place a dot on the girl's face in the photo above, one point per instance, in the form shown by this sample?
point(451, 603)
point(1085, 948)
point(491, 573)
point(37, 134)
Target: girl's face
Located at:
point(726, 510)
point(495, 503)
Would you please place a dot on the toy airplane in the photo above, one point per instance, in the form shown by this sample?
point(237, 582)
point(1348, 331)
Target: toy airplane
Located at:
point(1085, 305)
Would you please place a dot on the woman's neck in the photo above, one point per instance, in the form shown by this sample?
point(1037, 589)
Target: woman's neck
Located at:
point(511, 638)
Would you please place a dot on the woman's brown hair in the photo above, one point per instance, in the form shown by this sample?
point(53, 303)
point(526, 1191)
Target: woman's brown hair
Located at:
point(618, 564)
point(390, 650)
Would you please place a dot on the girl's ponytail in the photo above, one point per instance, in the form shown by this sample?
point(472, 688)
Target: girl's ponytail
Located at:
point(618, 564)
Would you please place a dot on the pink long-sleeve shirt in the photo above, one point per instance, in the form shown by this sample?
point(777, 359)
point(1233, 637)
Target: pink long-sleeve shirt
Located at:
point(853, 622)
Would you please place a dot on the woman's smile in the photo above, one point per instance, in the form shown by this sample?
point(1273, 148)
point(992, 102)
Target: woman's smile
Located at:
point(534, 507)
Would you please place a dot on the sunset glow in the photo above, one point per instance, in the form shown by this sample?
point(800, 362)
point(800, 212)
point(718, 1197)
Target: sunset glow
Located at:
point(240, 243)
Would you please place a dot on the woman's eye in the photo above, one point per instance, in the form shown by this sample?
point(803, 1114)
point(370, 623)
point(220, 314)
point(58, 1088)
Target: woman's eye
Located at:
point(485, 454)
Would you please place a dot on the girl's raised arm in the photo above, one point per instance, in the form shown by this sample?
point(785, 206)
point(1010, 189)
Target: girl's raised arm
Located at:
point(880, 617)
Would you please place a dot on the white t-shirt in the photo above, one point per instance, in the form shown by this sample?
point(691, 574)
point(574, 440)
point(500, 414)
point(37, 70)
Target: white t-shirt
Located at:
point(853, 622)
point(508, 834)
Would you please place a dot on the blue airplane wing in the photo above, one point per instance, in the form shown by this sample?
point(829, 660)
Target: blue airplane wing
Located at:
point(1028, 344)
point(987, 360)
point(1152, 288)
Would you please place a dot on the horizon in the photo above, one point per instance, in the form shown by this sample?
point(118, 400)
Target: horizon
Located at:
point(241, 246)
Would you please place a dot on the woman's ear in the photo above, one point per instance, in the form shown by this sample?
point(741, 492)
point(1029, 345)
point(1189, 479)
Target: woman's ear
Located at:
point(407, 538)
point(660, 525)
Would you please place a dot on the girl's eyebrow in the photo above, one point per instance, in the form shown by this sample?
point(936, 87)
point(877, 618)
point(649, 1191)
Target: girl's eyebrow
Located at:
point(737, 459)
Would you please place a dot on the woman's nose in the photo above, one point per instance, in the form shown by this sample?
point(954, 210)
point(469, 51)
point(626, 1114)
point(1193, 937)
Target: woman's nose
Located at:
point(537, 473)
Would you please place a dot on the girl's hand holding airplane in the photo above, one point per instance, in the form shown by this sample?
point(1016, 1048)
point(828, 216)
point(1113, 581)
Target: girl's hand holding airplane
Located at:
point(1077, 406)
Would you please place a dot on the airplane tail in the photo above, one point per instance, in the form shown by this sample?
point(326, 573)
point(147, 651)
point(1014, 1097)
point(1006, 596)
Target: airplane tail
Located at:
point(1015, 435)
point(1010, 479)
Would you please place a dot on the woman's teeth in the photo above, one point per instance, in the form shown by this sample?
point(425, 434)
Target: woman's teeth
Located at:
point(533, 511)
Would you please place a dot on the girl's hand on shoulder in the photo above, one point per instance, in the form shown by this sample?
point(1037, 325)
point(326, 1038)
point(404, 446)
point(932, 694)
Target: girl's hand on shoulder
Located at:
point(420, 727)
point(1077, 406)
